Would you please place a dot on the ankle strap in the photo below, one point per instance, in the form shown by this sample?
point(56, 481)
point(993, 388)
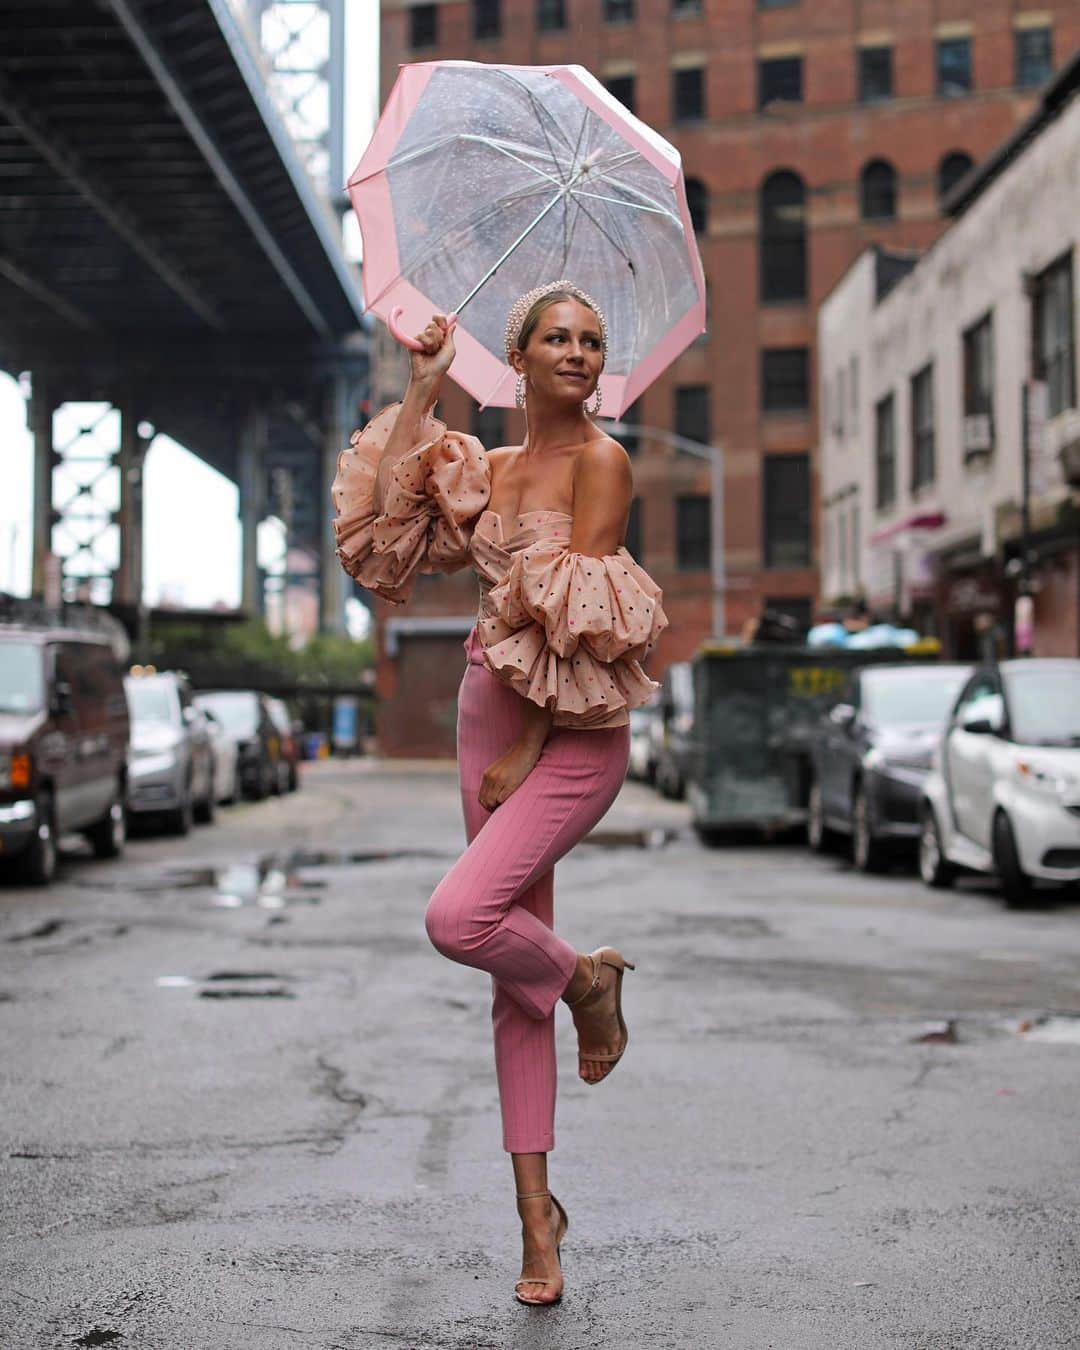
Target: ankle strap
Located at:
point(531, 1195)
point(596, 966)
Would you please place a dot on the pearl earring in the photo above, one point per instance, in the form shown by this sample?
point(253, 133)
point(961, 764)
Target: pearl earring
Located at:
point(519, 391)
point(596, 403)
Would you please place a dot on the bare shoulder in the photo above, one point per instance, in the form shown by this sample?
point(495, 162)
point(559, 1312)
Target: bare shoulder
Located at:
point(604, 457)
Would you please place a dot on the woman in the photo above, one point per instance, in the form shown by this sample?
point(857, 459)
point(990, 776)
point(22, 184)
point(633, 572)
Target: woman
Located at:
point(543, 708)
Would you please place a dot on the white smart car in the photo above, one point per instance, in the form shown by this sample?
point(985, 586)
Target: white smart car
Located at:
point(1004, 793)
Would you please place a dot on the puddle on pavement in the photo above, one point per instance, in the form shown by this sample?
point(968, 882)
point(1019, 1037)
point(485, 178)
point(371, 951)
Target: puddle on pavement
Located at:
point(272, 881)
point(45, 929)
point(1053, 1028)
point(232, 984)
point(98, 1336)
point(652, 836)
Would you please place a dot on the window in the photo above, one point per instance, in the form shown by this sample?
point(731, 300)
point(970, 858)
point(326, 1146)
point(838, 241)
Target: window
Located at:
point(630, 440)
point(550, 15)
point(922, 427)
point(424, 26)
point(1055, 343)
point(951, 169)
point(776, 4)
point(856, 571)
point(622, 88)
point(875, 74)
point(619, 11)
point(877, 191)
point(839, 406)
point(692, 533)
point(685, 8)
point(785, 379)
point(489, 427)
point(953, 67)
point(780, 80)
point(697, 199)
point(782, 228)
point(979, 388)
point(487, 19)
point(688, 94)
point(633, 529)
point(786, 530)
point(885, 453)
point(692, 412)
point(853, 393)
point(1033, 52)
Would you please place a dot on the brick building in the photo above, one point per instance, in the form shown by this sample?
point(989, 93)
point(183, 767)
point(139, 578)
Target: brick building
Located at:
point(809, 130)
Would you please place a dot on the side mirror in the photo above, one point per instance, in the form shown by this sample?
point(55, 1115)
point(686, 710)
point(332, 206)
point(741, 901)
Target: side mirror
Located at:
point(979, 726)
point(190, 714)
point(842, 715)
point(62, 704)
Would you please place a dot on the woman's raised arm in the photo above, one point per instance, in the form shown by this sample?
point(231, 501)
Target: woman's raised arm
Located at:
point(427, 368)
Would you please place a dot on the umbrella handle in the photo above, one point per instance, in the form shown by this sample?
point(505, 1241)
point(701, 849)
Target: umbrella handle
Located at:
point(401, 336)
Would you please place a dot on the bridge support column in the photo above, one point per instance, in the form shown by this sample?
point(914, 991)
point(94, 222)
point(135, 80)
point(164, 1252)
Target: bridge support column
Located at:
point(331, 575)
point(44, 582)
point(252, 503)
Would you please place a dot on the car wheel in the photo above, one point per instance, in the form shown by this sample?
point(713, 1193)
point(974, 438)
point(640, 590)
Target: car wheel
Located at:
point(294, 778)
point(37, 862)
point(869, 854)
point(934, 868)
point(1015, 882)
point(204, 810)
point(180, 820)
point(109, 835)
point(818, 835)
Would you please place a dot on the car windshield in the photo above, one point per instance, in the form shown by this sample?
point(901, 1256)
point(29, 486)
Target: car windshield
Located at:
point(150, 701)
point(235, 712)
point(908, 697)
point(1044, 705)
point(21, 686)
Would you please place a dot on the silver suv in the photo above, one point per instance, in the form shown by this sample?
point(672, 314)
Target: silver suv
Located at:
point(172, 758)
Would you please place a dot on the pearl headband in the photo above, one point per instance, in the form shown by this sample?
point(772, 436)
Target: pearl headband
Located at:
point(521, 309)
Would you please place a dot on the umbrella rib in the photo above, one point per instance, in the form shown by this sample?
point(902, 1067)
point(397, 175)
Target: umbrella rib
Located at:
point(618, 247)
point(441, 143)
point(426, 255)
point(542, 114)
point(630, 206)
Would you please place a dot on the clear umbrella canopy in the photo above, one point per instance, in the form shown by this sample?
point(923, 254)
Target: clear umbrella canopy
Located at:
point(495, 179)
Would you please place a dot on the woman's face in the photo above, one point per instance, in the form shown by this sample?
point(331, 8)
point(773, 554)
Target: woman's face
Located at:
point(564, 353)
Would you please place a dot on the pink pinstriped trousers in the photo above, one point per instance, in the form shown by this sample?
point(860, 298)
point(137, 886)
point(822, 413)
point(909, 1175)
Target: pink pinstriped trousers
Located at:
point(494, 909)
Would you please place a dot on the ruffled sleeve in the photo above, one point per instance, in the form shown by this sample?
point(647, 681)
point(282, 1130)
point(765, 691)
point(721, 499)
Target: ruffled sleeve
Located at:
point(434, 495)
point(568, 631)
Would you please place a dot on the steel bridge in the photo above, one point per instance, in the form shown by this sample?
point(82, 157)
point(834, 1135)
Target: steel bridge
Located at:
point(168, 255)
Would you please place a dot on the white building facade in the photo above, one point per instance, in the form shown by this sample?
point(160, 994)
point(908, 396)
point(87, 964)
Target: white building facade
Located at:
point(949, 440)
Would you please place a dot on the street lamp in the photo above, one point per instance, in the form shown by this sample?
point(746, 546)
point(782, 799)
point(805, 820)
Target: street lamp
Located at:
point(715, 455)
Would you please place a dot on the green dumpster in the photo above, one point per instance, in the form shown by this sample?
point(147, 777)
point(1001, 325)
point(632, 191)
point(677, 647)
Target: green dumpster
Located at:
point(755, 711)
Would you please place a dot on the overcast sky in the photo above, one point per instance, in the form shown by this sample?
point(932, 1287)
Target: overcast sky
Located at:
point(179, 488)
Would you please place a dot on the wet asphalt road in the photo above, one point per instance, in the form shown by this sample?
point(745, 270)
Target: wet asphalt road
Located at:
point(293, 1140)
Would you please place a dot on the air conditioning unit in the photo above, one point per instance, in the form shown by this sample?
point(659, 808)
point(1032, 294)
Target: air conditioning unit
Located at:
point(978, 436)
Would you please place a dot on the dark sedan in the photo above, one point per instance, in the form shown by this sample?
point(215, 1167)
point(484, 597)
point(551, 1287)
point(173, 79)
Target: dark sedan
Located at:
point(871, 754)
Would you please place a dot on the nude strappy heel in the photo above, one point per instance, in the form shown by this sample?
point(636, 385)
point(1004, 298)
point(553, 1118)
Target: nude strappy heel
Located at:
point(606, 956)
point(560, 1233)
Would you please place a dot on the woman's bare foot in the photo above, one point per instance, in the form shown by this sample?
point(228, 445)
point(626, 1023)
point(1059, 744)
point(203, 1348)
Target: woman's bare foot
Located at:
point(541, 1278)
point(595, 1017)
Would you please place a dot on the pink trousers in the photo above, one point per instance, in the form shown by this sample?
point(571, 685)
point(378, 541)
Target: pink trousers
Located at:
point(494, 909)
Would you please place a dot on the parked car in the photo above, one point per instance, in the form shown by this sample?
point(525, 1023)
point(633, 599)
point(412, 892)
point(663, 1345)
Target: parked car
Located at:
point(63, 739)
point(246, 718)
point(172, 760)
point(288, 774)
point(676, 724)
point(226, 773)
point(1004, 796)
point(870, 755)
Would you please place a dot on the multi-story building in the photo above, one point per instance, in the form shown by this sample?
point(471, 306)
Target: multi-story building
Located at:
point(809, 130)
point(950, 479)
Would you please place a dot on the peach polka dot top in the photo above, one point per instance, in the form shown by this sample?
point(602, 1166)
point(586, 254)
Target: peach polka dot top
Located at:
point(564, 629)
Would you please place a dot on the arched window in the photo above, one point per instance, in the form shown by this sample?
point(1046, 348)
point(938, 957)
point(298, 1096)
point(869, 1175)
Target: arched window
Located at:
point(877, 191)
point(697, 198)
point(951, 169)
point(782, 234)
